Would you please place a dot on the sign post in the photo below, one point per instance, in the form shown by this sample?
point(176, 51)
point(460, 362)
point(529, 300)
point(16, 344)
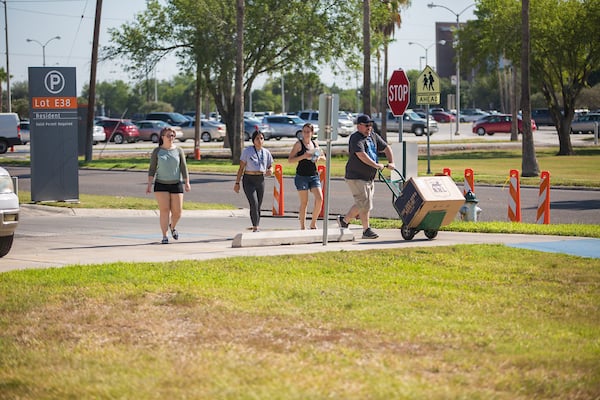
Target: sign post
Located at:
point(428, 92)
point(54, 119)
point(398, 97)
point(328, 121)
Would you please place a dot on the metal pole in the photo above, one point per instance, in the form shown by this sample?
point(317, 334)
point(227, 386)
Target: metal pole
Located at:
point(457, 78)
point(328, 129)
point(7, 63)
point(428, 144)
point(400, 127)
point(431, 5)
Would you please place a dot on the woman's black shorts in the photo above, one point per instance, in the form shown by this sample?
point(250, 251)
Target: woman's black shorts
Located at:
point(168, 187)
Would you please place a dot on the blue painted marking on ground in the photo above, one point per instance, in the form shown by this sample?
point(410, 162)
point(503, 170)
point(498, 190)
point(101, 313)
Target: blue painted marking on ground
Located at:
point(584, 248)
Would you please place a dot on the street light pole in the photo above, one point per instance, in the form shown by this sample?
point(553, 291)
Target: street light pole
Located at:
point(431, 5)
point(8, 95)
point(43, 47)
point(442, 42)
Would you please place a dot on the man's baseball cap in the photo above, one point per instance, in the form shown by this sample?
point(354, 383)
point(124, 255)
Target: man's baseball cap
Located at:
point(364, 119)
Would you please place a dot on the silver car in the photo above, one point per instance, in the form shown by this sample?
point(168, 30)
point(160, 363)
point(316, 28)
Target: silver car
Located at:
point(150, 130)
point(98, 134)
point(251, 124)
point(9, 212)
point(284, 126)
point(25, 133)
point(209, 130)
point(585, 123)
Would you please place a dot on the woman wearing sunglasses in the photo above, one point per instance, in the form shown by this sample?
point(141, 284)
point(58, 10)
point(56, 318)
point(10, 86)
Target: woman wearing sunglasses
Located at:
point(167, 170)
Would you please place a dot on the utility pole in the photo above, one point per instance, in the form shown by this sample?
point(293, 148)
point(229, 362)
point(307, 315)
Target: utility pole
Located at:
point(92, 89)
point(9, 108)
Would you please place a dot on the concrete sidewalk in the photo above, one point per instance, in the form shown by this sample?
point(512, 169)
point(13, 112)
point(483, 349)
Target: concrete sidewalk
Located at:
point(55, 237)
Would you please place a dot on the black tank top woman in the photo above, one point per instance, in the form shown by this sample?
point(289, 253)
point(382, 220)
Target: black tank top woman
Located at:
point(306, 167)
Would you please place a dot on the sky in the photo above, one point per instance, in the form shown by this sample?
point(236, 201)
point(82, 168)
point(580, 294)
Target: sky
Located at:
point(73, 21)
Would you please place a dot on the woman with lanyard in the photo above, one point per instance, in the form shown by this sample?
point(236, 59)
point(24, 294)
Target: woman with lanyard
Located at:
point(306, 153)
point(256, 162)
point(167, 169)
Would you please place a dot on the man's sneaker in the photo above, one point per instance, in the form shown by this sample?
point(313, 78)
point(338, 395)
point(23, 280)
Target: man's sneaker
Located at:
point(369, 234)
point(165, 240)
point(341, 222)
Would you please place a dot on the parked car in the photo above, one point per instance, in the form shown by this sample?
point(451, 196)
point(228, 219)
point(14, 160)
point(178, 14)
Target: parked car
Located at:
point(9, 212)
point(150, 130)
point(251, 124)
point(209, 130)
point(411, 122)
point(119, 130)
point(345, 125)
point(542, 116)
point(98, 134)
point(25, 132)
point(284, 126)
point(471, 114)
point(586, 123)
point(498, 123)
point(443, 116)
point(171, 118)
point(9, 131)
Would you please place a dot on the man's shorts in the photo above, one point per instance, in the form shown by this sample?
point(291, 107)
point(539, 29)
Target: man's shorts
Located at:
point(307, 182)
point(362, 191)
point(168, 187)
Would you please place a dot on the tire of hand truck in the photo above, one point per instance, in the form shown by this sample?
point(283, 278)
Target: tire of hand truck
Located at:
point(407, 233)
point(430, 233)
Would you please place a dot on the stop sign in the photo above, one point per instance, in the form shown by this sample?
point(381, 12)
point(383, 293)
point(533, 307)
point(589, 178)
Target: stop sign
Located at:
point(398, 92)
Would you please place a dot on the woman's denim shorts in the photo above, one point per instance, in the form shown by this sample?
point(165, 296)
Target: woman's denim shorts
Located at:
point(307, 182)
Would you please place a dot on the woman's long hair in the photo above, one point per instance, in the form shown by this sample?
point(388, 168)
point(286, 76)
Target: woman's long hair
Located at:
point(163, 132)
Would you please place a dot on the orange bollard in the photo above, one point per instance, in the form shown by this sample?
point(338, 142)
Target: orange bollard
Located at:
point(278, 191)
point(12, 149)
point(447, 172)
point(322, 169)
point(514, 200)
point(543, 210)
point(197, 155)
point(469, 185)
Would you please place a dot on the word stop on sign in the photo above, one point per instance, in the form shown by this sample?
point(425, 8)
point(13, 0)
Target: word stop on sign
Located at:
point(398, 93)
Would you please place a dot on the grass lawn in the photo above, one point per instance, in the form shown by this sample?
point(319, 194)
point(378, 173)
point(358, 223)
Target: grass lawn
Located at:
point(461, 322)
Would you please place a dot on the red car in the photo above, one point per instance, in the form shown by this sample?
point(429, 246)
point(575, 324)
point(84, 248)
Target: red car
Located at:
point(498, 123)
point(120, 130)
point(443, 116)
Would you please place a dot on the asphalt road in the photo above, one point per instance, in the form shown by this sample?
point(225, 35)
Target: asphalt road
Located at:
point(566, 205)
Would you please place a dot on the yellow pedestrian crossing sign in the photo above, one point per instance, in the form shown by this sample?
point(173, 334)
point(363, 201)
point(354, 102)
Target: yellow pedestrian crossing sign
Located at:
point(428, 87)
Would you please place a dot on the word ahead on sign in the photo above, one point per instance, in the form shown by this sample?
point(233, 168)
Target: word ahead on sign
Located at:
point(398, 92)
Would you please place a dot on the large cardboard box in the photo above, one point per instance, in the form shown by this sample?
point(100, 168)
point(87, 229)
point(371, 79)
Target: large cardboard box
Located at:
point(433, 195)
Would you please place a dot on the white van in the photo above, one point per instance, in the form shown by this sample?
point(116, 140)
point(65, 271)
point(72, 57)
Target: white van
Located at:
point(9, 131)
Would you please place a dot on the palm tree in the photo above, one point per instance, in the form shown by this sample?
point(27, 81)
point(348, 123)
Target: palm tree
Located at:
point(387, 29)
point(367, 57)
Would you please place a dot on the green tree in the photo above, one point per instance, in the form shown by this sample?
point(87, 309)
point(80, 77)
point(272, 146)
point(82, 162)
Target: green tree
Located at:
point(278, 36)
point(562, 58)
point(112, 98)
